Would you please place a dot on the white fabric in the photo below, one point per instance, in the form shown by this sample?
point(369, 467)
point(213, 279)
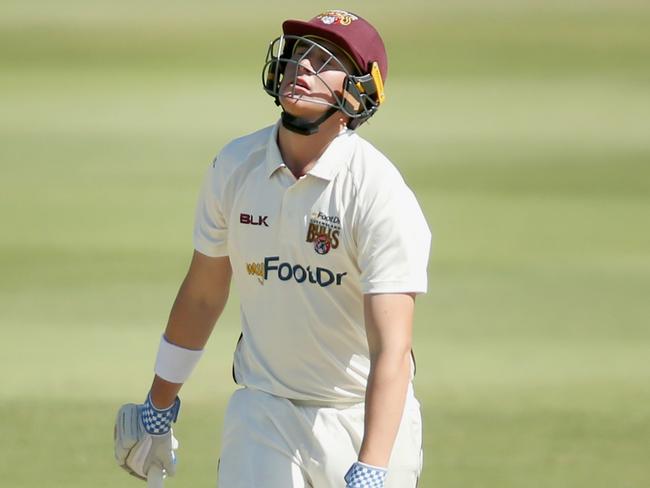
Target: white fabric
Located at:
point(155, 477)
point(137, 451)
point(174, 363)
point(302, 303)
point(275, 443)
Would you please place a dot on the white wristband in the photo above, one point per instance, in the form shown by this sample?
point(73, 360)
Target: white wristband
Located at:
point(174, 363)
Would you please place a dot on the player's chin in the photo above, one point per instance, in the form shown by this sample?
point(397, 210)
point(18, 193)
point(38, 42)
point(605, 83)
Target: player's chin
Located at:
point(306, 107)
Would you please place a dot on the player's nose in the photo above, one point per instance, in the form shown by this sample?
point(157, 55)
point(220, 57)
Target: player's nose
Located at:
point(305, 66)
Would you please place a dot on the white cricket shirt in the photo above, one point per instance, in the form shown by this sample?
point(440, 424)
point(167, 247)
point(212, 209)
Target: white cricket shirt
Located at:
point(304, 252)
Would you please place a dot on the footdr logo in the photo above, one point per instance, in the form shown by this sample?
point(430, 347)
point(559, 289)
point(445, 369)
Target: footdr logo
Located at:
point(271, 267)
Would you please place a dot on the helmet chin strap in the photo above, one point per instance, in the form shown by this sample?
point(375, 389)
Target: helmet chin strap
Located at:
point(302, 126)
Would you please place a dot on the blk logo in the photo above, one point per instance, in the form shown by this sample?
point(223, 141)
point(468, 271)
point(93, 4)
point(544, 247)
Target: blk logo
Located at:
point(249, 219)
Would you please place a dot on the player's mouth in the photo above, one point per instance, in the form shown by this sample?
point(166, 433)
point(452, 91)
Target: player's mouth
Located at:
point(301, 85)
point(301, 81)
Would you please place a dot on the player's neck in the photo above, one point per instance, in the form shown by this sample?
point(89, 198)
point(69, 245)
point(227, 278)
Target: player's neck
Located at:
point(300, 153)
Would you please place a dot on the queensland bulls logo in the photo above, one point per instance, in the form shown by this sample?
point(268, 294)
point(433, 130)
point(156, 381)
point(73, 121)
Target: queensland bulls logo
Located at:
point(340, 17)
point(324, 231)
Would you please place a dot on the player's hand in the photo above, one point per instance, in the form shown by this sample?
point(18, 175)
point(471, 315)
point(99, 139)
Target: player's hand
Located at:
point(361, 475)
point(143, 438)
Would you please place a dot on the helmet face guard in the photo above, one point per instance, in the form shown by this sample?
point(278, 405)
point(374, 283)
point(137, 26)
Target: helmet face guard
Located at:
point(360, 95)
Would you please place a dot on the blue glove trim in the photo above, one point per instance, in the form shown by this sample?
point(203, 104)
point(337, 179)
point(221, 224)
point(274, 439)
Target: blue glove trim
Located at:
point(362, 475)
point(158, 422)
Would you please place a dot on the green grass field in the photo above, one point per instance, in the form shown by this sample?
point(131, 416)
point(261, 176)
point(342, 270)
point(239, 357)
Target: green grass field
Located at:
point(525, 132)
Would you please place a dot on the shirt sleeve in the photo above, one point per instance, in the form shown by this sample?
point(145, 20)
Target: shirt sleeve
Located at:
point(393, 242)
point(211, 224)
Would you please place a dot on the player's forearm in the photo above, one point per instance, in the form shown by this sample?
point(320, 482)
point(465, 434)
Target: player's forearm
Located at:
point(193, 316)
point(389, 325)
point(199, 303)
point(385, 397)
point(190, 323)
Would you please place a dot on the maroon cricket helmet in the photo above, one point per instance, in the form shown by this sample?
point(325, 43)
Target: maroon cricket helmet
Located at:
point(348, 31)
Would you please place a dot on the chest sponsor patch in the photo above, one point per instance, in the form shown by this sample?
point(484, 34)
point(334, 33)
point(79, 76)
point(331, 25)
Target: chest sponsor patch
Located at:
point(273, 268)
point(324, 231)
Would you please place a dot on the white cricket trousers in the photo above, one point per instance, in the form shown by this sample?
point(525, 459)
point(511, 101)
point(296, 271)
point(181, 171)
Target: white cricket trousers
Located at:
point(272, 442)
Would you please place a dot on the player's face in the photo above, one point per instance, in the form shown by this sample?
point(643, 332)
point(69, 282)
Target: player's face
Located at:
point(313, 78)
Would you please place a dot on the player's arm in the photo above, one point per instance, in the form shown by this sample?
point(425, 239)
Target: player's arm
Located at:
point(143, 434)
point(199, 303)
point(389, 325)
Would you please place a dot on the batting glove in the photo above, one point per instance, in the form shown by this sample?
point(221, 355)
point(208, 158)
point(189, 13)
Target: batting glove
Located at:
point(361, 475)
point(144, 438)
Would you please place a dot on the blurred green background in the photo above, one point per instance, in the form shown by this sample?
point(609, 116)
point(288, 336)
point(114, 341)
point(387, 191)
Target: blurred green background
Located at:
point(523, 127)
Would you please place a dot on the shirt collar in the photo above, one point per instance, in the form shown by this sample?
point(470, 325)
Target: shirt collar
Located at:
point(337, 154)
point(328, 165)
point(273, 156)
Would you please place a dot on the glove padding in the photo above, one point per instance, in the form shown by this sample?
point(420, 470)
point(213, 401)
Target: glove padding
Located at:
point(361, 475)
point(144, 438)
